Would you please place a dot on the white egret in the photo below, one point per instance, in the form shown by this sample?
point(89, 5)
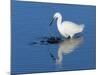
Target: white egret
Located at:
point(67, 28)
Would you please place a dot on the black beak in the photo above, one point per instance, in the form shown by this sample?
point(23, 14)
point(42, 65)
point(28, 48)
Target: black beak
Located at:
point(51, 22)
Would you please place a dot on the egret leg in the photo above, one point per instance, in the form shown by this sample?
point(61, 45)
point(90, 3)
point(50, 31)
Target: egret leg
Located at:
point(71, 35)
point(67, 36)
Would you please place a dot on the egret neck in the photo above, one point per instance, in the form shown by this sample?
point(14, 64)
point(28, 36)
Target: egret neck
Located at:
point(59, 20)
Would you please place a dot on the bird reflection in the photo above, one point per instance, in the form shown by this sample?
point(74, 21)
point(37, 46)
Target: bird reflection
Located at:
point(67, 46)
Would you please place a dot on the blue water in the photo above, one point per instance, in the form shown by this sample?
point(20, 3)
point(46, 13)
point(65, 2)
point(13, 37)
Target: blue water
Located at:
point(30, 24)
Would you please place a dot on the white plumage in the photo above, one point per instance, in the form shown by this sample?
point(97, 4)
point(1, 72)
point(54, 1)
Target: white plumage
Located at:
point(67, 28)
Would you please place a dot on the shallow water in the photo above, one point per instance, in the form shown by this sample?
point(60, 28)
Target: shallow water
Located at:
point(31, 51)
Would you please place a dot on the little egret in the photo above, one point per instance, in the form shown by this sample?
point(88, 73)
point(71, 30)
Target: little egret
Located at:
point(67, 28)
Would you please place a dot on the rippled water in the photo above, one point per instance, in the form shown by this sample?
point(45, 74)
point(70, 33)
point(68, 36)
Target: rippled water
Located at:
point(33, 48)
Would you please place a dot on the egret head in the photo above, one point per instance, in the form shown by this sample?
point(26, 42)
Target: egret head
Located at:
point(56, 16)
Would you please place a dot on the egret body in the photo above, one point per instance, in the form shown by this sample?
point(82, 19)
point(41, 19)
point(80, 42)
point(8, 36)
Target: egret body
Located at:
point(67, 28)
